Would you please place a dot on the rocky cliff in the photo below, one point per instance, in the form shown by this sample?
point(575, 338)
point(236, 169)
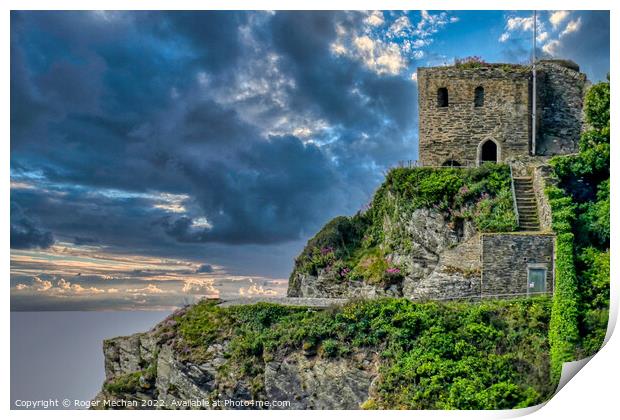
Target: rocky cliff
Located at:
point(146, 371)
point(417, 239)
point(381, 353)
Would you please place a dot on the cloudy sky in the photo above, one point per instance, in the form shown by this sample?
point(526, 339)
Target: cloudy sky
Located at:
point(160, 157)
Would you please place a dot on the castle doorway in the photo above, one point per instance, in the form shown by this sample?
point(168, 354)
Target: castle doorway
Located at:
point(488, 152)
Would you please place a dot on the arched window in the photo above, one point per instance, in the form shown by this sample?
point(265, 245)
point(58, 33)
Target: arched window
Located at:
point(442, 97)
point(479, 96)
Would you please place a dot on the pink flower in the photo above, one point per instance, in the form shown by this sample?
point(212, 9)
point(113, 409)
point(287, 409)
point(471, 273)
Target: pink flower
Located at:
point(326, 250)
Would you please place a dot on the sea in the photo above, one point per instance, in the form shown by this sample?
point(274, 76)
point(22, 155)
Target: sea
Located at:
point(57, 357)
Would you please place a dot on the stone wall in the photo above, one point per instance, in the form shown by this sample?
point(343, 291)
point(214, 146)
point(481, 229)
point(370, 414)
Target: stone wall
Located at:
point(456, 275)
point(561, 89)
point(456, 131)
point(540, 180)
point(506, 258)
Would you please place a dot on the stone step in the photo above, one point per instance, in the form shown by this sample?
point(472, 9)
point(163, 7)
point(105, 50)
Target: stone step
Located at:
point(526, 204)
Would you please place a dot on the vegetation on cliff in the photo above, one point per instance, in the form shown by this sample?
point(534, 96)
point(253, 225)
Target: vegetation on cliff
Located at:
point(358, 247)
point(487, 355)
point(581, 210)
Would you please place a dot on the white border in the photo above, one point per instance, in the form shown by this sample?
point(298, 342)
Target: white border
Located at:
point(592, 394)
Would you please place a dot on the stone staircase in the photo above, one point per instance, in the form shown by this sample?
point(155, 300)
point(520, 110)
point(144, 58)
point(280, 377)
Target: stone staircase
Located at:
point(526, 204)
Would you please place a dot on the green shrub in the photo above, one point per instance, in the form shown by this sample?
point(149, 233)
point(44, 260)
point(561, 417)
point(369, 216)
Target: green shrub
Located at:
point(563, 329)
point(125, 384)
point(489, 354)
point(581, 216)
point(355, 248)
point(596, 107)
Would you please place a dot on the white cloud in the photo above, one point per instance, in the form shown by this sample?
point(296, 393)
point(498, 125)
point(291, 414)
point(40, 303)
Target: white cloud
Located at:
point(557, 17)
point(62, 287)
point(172, 203)
point(524, 24)
point(381, 57)
point(200, 287)
point(375, 47)
point(430, 24)
point(151, 289)
point(375, 18)
point(201, 223)
point(542, 37)
point(572, 26)
point(419, 43)
point(37, 285)
point(66, 287)
point(400, 27)
point(551, 47)
point(520, 23)
point(338, 49)
point(255, 290)
point(414, 77)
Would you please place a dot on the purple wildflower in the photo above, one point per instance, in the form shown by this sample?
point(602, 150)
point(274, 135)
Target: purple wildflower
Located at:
point(326, 250)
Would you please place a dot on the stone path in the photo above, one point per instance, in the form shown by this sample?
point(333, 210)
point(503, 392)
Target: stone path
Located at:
point(289, 301)
point(526, 204)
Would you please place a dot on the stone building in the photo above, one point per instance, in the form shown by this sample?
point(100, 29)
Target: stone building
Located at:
point(471, 114)
point(474, 113)
point(468, 115)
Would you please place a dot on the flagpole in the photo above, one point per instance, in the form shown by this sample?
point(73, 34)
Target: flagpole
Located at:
point(534, 88)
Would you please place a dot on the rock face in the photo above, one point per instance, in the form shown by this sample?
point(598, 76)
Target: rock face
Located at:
point(320, 384)
point(423, 242)
point(301, 380)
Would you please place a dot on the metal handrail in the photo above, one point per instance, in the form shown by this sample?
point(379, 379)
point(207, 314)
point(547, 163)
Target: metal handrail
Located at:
point(514, 195)
point(417, 164)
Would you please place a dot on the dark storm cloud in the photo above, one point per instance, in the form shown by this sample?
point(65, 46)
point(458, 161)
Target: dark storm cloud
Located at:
point(589, 47)
point(24, 233)
point(84, 240)
point(205, 268)
point(118, 107)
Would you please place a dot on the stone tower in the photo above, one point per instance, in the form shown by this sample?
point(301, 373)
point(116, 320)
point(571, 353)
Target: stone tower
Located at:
point(469, 114)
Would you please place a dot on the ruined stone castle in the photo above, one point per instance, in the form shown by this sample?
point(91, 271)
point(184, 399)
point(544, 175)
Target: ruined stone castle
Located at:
point(470, 115)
